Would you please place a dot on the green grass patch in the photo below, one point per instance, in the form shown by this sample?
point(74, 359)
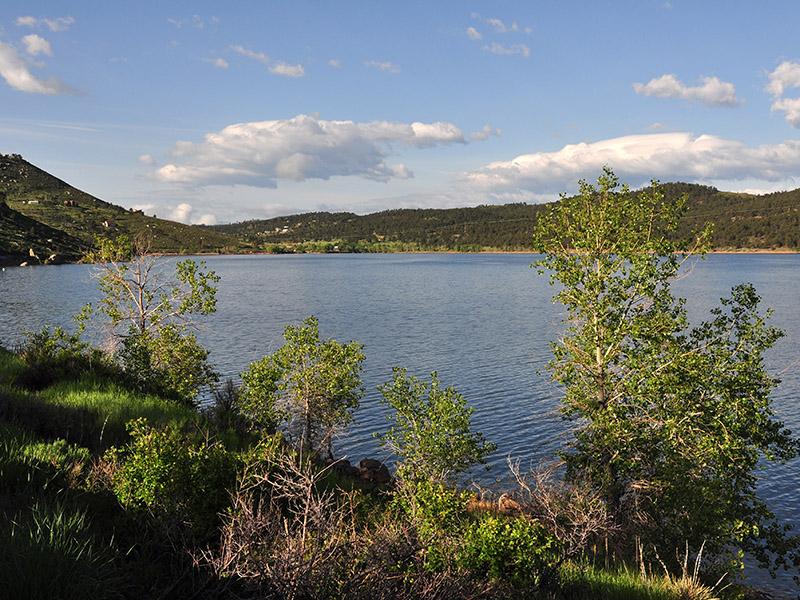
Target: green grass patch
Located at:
point(51, 552)
point(109, 407)
point(11, 367)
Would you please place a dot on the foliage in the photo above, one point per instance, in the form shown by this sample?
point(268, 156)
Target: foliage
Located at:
point(671, 422)
point(147, 313)
point(431, 434)
point(170, 363)
point(314, 383)
point(50, 216)
point(437, 514)
point(516, 551)
point(175, 475)
point(54, 355)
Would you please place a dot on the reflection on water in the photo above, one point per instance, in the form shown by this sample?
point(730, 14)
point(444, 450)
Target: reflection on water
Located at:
point(483, 322)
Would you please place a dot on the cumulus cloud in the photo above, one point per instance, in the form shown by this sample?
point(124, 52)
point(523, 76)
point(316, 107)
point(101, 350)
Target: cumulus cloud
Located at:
point(220, 63)
point(16, 73)
point(304, 147)
point(484, 133)
point(383, 66)
point(148, 160)
point(35, 45)
point(666, 156)
point(785, 77)
point(259, 56)
point(57, 24)
point(186, 213)
point(281, 68)
point(335, 62)
point(712, 92)
point(497, 48)
point(790, 106)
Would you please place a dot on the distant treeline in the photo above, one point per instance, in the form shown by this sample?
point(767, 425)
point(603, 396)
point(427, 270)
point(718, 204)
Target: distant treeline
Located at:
point(741, 221)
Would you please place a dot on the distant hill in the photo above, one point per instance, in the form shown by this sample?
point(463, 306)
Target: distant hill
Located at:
point(741, 222)
point(54, 221)
point(46, 214)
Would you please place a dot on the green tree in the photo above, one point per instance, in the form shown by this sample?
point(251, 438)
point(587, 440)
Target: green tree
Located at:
point(147, 312)
point(671, 421)
point(432, 434)
point(315, 384)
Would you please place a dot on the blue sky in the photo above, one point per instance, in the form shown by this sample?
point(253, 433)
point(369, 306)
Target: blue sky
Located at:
point(210, 112)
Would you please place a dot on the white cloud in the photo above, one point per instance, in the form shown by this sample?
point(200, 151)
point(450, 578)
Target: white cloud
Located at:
point(207, 219)
point(305, 147)
point(16, 73)
point(35, 45)
point(791, 106)
point(335, 62)
point(186, 213)
point(281, 68)
point(500, 27)
point(656, 127)
point(712, 92)
point(220, 63)
point(383, 66)
point(484, 133)
point(58, 24)
point(783, 78)
point(638, 158)
point(194, 21)
point(474, 34)
point(504, 51)
point(145, 208)
point(148, 160)
point(259, 56)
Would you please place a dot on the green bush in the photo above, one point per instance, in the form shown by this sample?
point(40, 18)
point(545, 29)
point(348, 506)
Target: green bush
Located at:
point(515, 551)
point(437, 514)
point(177, 476)
point(170, 363)
point(54, 355)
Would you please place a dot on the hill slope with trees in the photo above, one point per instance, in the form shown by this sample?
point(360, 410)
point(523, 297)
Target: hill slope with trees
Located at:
point(38, 206)
point(741, 222)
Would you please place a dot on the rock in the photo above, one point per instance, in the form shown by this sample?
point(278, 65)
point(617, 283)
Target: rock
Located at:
point(343, 467)
point(374, 470)
point(509, 507)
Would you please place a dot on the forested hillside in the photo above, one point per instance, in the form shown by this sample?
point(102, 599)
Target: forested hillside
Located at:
point(49, 204)
point(741, 221)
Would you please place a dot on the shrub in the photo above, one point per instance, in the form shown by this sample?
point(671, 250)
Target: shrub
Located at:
point(54, 355)
point(515, 551)
point(177, 476)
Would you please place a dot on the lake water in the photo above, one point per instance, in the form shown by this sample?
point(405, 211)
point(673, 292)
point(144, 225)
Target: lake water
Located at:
point(482, 321)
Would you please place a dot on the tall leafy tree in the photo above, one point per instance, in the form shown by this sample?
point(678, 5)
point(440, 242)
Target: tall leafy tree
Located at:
point(671, 422)
point(147, 312)
point(314, 384)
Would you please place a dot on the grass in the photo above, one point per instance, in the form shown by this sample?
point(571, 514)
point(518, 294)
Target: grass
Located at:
point(52, 552)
